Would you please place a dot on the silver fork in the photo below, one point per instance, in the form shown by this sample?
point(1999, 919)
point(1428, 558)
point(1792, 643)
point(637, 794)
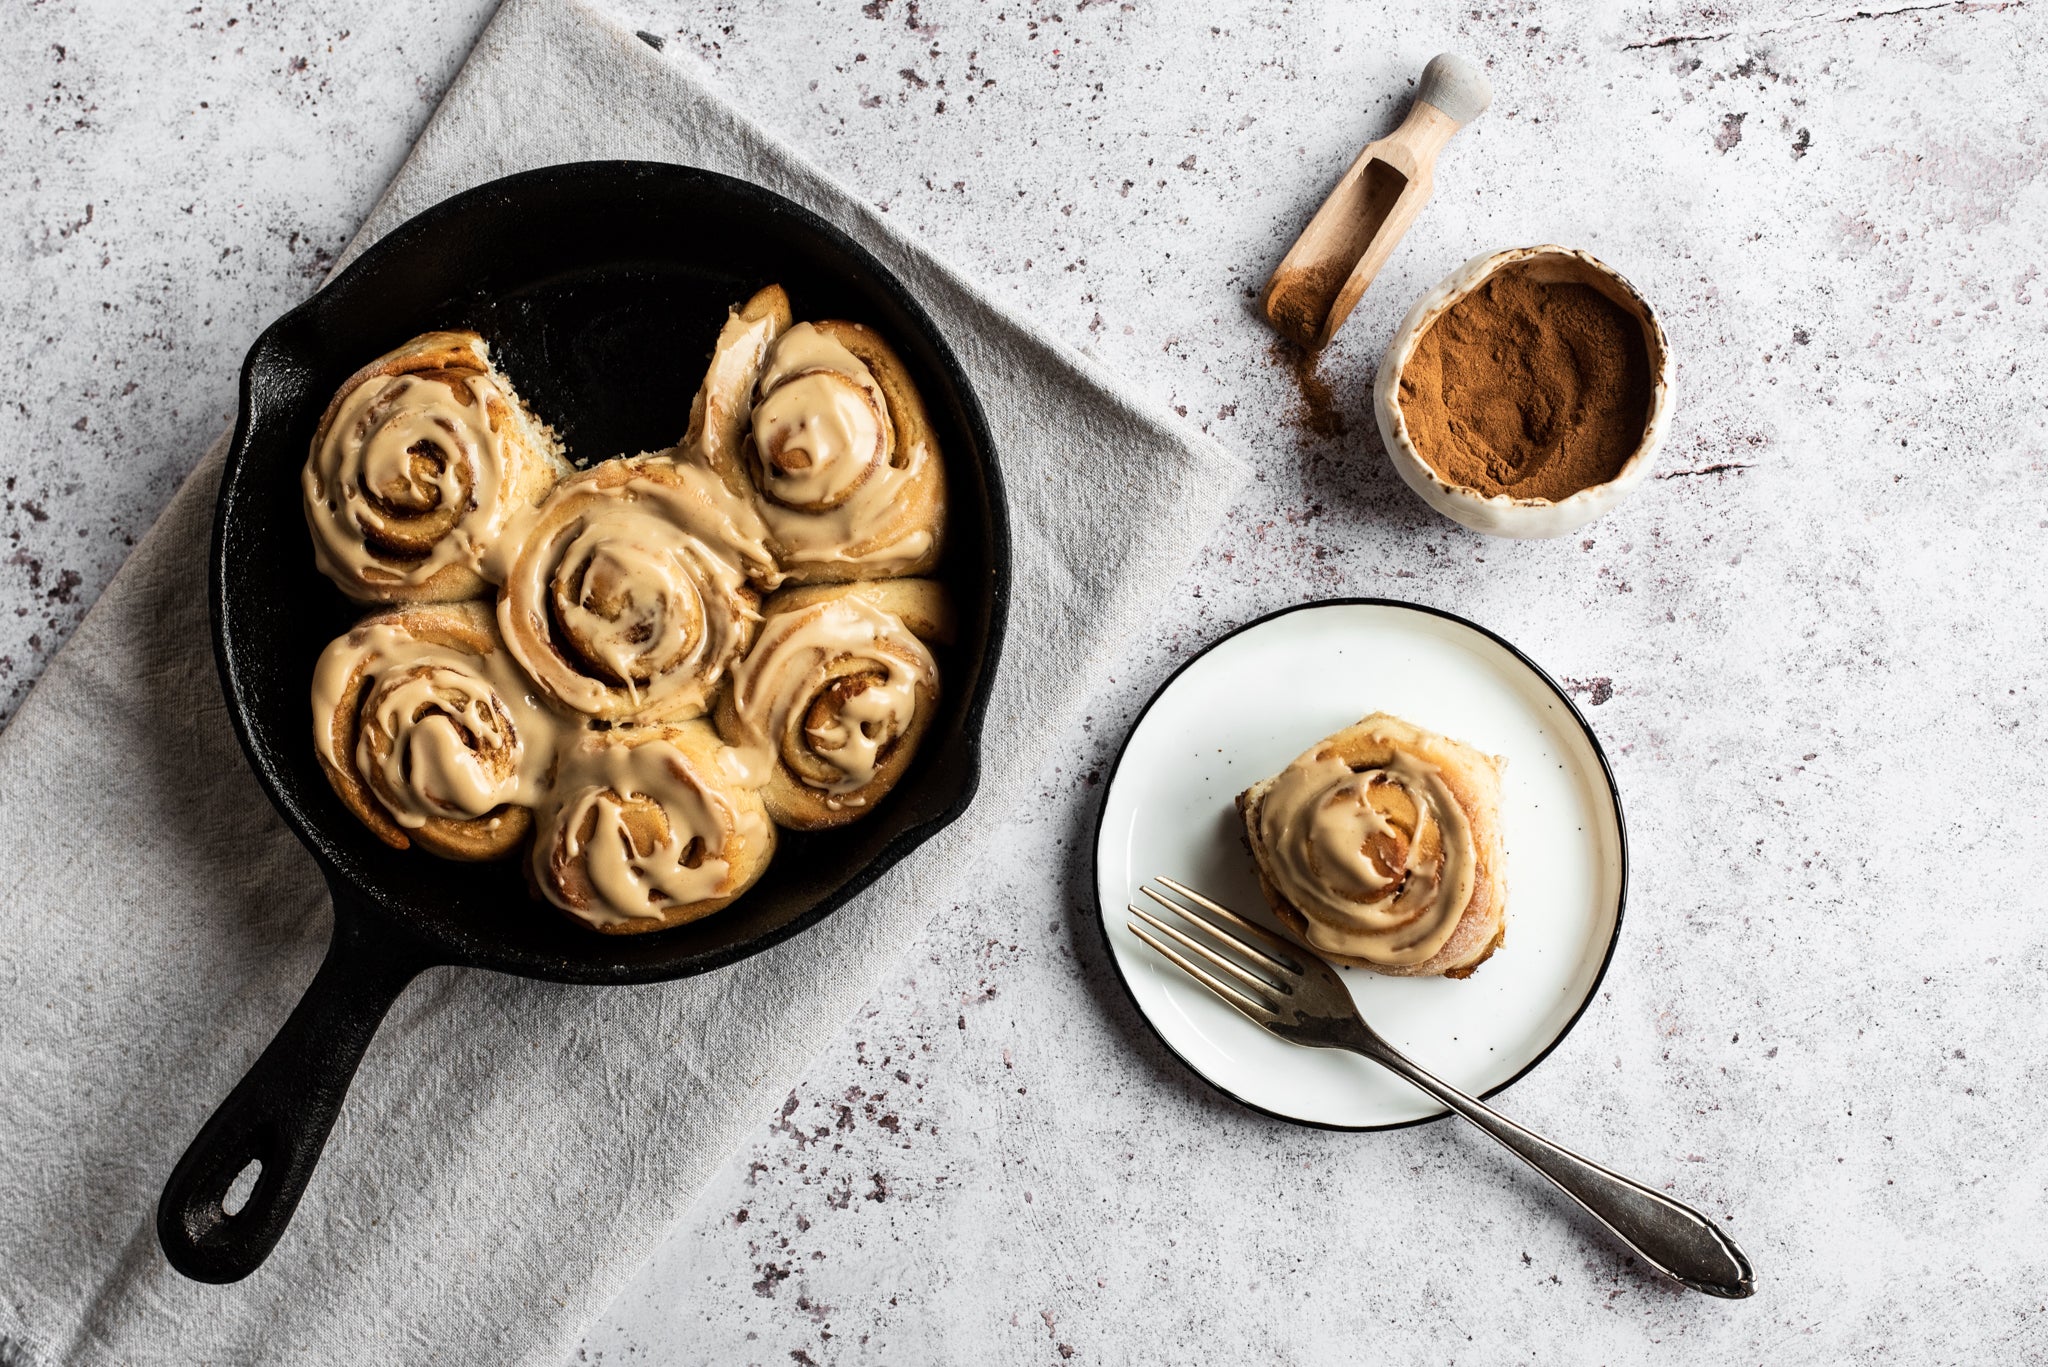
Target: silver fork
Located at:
point(1292, 993)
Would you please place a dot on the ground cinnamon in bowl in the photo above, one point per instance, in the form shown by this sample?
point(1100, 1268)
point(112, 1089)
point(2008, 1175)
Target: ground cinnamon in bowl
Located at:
point(1531, 388)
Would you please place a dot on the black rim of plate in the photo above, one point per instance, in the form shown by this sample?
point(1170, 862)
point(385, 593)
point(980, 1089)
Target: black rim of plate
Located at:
point(408, 236)
point(1571, 709)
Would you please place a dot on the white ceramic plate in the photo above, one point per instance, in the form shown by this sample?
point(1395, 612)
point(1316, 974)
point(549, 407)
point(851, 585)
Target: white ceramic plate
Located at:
point(1242, 710)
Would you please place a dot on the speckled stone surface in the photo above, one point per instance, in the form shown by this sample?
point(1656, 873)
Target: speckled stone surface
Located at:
point(1813, 646)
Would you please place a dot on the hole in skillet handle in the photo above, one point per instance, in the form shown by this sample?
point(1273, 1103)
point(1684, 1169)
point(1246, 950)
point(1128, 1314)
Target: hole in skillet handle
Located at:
point(239, 1190)
point(277, 1118)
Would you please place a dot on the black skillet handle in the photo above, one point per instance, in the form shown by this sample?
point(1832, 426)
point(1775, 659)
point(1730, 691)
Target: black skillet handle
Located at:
point(280, 1113)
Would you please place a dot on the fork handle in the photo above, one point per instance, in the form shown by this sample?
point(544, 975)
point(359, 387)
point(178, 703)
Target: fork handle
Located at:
point(1672, 1237)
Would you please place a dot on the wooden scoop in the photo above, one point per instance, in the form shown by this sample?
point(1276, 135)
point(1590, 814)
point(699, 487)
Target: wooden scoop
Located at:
point(1318, 282)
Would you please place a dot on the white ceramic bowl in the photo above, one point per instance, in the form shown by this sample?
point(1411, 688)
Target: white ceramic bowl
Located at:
point(1500, 515)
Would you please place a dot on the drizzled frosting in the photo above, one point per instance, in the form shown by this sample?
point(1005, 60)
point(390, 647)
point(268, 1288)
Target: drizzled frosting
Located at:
point(1380, 860)
point(440, 733)
point(826, 692)
point(412, 473)
point(719, 412)
point(836, 484)
point(821, 428)
point(628, 594)
point(637, 831)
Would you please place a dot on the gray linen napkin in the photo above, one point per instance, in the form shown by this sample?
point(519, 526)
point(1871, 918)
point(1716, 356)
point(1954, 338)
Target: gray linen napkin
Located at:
point(511, 1150)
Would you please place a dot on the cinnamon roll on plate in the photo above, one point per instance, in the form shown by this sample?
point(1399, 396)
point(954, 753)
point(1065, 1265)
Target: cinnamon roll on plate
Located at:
point(836, 695)
point(1380, 846)
point(650, 827)
point(427, 732)
point(822, 426)
point(421, 460)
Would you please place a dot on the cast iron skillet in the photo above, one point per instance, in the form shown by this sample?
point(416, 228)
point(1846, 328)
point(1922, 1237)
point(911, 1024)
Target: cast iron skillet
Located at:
point(600, 286)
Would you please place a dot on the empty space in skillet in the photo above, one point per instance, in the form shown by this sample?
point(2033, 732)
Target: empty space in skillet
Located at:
point(600, 287)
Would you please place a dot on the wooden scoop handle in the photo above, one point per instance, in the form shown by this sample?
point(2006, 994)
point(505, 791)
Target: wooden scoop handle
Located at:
point(1319, 281)
point(1456, 86)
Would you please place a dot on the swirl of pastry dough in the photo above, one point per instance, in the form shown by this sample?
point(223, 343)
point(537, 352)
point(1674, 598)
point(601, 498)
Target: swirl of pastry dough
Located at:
point(843, 455)
point(831, 703)
point(820, 425)
point(650, 827)
point(627, 596)
point(426, 731)
point(421, 459)
point(1380, 844)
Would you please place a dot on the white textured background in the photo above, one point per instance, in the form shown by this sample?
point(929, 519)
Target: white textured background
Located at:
point(1813, 647)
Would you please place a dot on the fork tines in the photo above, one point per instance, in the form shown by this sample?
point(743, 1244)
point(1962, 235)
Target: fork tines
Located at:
point(1262, 964)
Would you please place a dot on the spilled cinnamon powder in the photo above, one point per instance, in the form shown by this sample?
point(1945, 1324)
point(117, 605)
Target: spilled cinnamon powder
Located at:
point(1316, 410)
point(1529, 388)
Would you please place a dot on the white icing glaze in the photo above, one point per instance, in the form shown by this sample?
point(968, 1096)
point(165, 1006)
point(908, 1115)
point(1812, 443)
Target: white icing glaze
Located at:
point(627, 599)
point(600, 784)
point(1369, 887)
point(820, 436)
point(442, 734)
point(826, 459)
point(408, 478)
point(719, 412)
point(800, 657)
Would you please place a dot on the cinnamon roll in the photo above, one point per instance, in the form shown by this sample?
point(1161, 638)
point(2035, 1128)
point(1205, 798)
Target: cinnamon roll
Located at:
point(822, 423)
point(427, 732)
point(1381, 847)
point(420, 461)
point(626, 596)
point(830, 705)
point(721, 414)
point(650, 827)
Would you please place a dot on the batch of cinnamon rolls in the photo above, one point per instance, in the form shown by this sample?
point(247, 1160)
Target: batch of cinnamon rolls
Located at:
point(629, 676)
